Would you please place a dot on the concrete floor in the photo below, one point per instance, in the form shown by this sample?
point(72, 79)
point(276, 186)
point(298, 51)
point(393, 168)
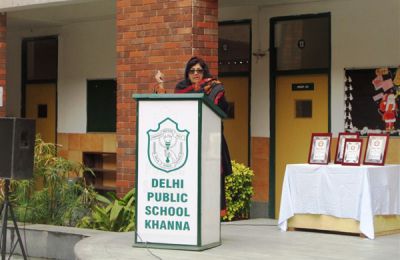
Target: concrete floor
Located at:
point(249, 239)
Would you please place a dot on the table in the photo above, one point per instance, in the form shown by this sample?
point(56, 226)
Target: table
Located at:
point(355, 192)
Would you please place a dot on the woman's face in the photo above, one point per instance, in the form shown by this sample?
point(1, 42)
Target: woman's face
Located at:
point(196, 74)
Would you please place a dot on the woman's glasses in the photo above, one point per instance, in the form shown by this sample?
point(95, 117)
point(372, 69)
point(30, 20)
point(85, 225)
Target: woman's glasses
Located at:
point(199, 71)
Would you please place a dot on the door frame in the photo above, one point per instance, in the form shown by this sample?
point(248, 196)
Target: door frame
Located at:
point(248, 74)
point(25, 81)
point(274, 73)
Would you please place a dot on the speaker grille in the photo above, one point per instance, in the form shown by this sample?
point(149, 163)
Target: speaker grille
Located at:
point(17, 142)
point(6, 136)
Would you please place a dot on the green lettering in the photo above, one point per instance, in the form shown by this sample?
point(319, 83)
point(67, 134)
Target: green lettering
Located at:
point(171, 225)
point(150, 195)
point(165, 196)
point(148, 210)
point(147, 223)
point(186, 226)
point(163, 226)
point(155, 224)
point(178, 225)
point(163, 211)
point(184, 197)
point(167, 225)
point(161, 183)
point(167, 211)
point(155, 211)
point(177, 183)
point(171, 211)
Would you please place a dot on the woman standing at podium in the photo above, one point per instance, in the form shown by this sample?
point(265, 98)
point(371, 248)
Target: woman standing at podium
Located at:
point(199, 80)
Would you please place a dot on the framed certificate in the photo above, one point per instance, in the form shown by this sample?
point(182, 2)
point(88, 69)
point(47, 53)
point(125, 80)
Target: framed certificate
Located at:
point(375, 153)
point(340, 145)
point(320, 148)
point(352, 151)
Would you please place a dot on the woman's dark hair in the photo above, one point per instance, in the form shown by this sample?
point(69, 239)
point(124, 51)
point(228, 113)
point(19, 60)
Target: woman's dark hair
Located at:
point(193, 61)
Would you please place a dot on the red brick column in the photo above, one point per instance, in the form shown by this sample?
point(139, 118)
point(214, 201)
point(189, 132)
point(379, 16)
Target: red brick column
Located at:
point(156, 35)
point(3, 30)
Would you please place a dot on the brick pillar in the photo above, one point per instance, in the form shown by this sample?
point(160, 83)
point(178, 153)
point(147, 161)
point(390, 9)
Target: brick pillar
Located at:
point(156, 35)
point(3, 30)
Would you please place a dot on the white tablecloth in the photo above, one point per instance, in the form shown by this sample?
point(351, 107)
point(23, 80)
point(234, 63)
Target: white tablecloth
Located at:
point(356, 192)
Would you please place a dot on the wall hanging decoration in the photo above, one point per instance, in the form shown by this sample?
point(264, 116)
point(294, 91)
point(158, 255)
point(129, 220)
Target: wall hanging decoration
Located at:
point(372, 99)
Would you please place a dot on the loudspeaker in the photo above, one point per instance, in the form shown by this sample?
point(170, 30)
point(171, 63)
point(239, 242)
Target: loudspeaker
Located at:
point(17, 143)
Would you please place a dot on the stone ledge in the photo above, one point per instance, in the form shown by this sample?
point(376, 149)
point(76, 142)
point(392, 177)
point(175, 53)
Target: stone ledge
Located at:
point(48, 241)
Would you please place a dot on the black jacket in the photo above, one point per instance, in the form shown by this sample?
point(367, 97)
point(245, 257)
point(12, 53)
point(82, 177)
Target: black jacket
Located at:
point(212, 93)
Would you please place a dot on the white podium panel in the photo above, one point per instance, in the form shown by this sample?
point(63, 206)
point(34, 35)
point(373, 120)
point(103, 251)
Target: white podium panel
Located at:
point(211, 166)
point(178, 172)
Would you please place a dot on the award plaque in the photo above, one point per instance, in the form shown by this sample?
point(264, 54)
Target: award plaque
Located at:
point(375, 153)
point(340, 145)
point(352, 151)
point(320, 148)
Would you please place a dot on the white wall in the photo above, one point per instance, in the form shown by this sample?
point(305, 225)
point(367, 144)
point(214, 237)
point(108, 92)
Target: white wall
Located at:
point(86, 51)
point(365, 33)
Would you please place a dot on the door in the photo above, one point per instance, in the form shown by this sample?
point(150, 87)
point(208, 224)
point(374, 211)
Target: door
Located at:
point(299, 113)
point(236, 128)
point(41, 106)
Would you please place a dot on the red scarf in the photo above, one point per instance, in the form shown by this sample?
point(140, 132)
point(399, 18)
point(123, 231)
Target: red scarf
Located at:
point(204, 87)
point(194, 87)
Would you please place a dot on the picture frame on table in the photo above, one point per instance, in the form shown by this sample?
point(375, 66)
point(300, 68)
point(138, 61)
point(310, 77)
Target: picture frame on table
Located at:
point(320, 148)
point(352, 151)
point(375, 152)
point(340, 145)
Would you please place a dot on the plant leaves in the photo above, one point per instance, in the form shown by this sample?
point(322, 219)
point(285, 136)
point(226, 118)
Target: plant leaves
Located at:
point(115, 210)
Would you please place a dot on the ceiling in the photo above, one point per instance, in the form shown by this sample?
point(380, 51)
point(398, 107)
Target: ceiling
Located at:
point(230, 3)
point(59, 15)
point(63, 13)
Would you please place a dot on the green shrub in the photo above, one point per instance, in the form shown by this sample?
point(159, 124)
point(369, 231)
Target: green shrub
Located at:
point(114, 215)
point(57, 194)
point(238, 192)
point(62, 200)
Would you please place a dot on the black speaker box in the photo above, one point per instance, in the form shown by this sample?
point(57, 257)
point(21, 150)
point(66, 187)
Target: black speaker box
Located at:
point(17, 143)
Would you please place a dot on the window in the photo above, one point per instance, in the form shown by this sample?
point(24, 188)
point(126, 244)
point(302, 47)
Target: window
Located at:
point(101, 105)
point(302, 43)
point(41, 59)
point(234, 47)
point(303, 108)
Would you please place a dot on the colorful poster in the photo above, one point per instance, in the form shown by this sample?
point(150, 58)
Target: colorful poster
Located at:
point(372, 98)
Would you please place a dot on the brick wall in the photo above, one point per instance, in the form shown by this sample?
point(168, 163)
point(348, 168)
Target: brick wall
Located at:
point(156, 35)
point(3, 30)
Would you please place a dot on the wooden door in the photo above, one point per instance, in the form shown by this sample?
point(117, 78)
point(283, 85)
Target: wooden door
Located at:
point(236, 129)
point(294, 126)
point(41, 106)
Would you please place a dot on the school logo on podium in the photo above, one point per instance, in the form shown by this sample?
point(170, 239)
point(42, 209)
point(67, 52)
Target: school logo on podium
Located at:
point(167, 146)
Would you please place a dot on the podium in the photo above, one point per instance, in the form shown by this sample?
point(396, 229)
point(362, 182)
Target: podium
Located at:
point(178, 171)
